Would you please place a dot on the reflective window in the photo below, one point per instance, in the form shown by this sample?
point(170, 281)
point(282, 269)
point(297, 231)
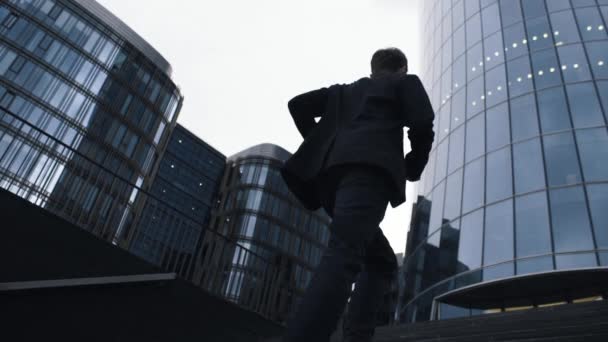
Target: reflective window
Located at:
point(556, 5)
point(539, 33)
point(459, 76)
point(553, 110)
point(534, 265)
point(603, 89)
point(510, 11)
point(459, 42)
point(546, 69)
point(493, 50)
point(593, 149)
point(520, 76)
point(532, 225)
point(453, 196)
point(571, 261)
point(590, 23)
point(458, 109)
point(475, 96)
point(497, 122)
point(471, 7)
point(528, 166)
point(598, 202)
point(442, 161)
point(598, 57)
point(474, 62)
point(524, 123)
point(470, 245)
point(458, 14)
point(561, 159)
point(585, 107)
point(514, 41)
point(571, 230)
point(490, 19)
point(498, 271)
point(475, 138)
point(533, 8)
point(564, 28)
point(498, 244)
point(499, 182)
point(473, 30)
point(496, 86)
point(437, 208)
point(456, 149)
point(473, 185)
point(574, 64)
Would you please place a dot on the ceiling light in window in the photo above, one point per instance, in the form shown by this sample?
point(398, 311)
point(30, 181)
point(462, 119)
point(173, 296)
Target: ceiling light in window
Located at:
point(473, 69)
point(499, 88)
point(556, 33)
point(514, 45)
point(490, 93)
point(496, 54)
point(559, 43)
point(474, 103)
point(575, 66)
point(600, 63)
point(525, 41)
point(534, 38)
point(600, 28)
point(545, 35)
point(529, 75)
point(519, 79)
point(552, 70)
point(589, 28)
point(564, 67)
point(488, 59)
point(540, 73)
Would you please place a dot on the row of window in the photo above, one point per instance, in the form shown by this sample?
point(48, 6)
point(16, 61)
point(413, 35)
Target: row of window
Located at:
point(106, 51)
point(520, 169)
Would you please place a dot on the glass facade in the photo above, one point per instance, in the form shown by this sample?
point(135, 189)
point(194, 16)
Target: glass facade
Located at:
point(86, 109)
point(257, 210)
point(188, 179)
point(519, 170)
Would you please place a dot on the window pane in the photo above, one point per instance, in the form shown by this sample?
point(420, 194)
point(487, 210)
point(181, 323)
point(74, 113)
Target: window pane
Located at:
point(574, 65)
point(475, 146)
point(586, 111)
point(471, 7)
point(474, 62)
point(523, 117)
point(539, 33)
point(435, 221)
point(598, 202)
point(475, 97)
point(535, 265)
point(497, 126)
point(593, 148)
point(564, 28)
point(510, 11)
point(442, 161)
point(473, 185)
point(533, 8)
point(471, 233)
point(499, 183)
point(490, 19)
point(598, 53)
point(553, 110)
point(571, 230)
point(453, 197)
point(561, 159)
point(568, 261)
point(532, 225)
point(498, 244)
point(498, 271)
point(458, 109)
point(456, 149)
point(459, 42)
point(496, 86)
point(493, 50)
point(590, 23)
point(520, 76)
point(546, 69)
point(556, 5)
point(514, 41)
point(473, 30)
point(528, 166)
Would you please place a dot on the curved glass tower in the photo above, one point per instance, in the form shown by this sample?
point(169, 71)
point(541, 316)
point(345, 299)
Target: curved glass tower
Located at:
point(86, 106)
point(512, 205)
point(257, 210)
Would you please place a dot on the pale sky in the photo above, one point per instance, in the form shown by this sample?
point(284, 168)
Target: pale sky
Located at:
point(238, 62)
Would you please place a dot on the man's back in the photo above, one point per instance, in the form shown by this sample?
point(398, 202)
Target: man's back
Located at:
point(362, 122)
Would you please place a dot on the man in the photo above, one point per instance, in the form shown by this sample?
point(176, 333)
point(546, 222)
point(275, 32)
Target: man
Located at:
point(352, 164)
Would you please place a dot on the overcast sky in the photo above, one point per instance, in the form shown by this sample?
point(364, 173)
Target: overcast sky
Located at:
point(238, 62)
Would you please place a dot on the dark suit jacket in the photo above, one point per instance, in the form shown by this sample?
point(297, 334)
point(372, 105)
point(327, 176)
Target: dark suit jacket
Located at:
point(361, 122)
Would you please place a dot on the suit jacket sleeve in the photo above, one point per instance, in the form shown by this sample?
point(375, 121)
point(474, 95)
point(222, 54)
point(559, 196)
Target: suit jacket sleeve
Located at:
point(305, 107)
point(418, 116)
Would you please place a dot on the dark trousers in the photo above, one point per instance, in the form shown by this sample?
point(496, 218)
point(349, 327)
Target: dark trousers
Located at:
point(356, 197)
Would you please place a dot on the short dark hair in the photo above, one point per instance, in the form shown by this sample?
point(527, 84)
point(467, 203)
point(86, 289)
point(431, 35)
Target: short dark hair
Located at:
point(388, 60)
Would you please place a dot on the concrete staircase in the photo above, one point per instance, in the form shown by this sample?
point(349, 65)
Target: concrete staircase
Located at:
point(573, 322)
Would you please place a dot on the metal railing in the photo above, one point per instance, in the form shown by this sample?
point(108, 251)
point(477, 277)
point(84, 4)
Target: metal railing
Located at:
point(67, 181)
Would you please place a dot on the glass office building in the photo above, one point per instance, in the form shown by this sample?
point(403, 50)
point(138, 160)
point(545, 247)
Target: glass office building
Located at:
point(86, 107)
point(257, 210)
point(187, 181)
point(512, 206)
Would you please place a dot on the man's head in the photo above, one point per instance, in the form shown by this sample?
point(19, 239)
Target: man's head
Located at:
point(388, 61)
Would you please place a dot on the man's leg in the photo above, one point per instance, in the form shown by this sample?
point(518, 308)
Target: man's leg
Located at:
point(380, 265)
point(360, 204)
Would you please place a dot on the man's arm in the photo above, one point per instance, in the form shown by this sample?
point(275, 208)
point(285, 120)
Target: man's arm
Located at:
point(305, 107)
point(419, 118)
